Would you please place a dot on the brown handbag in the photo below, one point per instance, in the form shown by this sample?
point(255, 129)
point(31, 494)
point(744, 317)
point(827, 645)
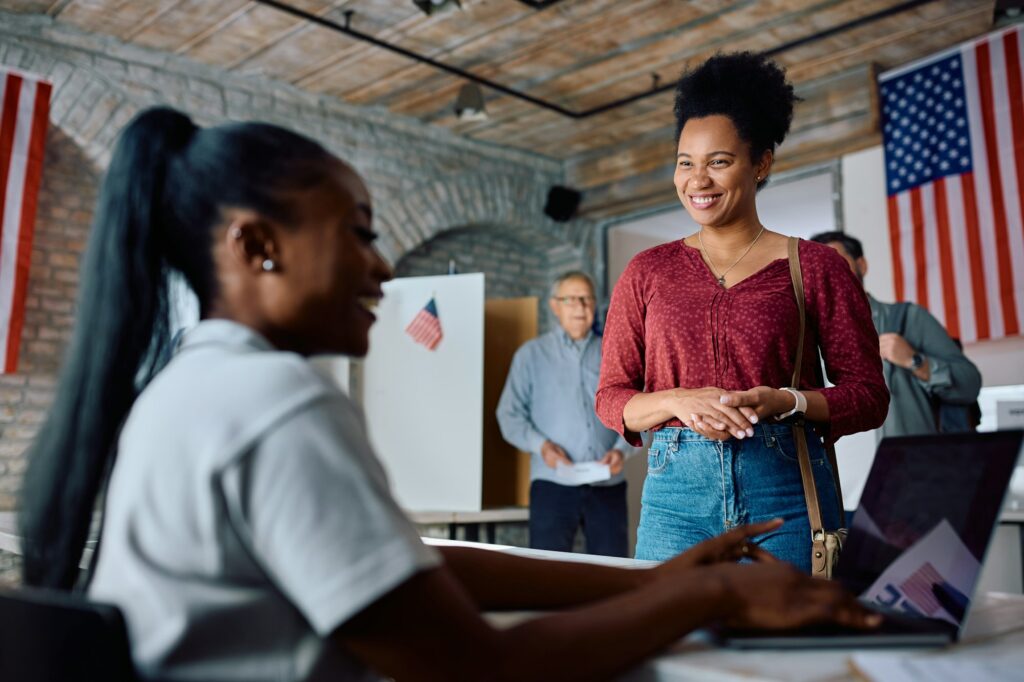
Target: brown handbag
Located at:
point(825, 544)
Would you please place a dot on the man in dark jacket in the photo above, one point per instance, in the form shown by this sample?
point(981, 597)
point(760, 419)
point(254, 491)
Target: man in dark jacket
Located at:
point(933, 385)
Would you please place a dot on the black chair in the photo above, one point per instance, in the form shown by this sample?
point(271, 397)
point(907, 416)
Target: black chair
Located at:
point(47, 636)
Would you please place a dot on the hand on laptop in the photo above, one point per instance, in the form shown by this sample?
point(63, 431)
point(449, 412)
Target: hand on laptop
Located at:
point(779, 596)
point(731, 547)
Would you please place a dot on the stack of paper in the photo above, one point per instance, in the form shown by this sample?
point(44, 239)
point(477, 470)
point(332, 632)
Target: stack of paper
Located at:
point(582, 473)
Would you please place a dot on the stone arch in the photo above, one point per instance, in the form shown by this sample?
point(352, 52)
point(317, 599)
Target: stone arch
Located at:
point(516, 260)
point(89, 110)
point(511, 202)
point(453, 182)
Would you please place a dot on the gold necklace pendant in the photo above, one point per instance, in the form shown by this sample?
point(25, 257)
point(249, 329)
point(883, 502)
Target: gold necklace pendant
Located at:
point(711, 264)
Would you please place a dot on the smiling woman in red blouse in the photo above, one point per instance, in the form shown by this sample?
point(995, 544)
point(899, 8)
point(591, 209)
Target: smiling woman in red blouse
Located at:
point(701, 335)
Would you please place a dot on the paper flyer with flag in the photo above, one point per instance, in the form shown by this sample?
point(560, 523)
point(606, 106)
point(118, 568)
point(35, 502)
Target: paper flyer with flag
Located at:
point(953, 130)
point(425, 328)
point(24, 113)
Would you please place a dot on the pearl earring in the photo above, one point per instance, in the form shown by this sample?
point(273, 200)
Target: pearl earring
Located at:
point(268, 265)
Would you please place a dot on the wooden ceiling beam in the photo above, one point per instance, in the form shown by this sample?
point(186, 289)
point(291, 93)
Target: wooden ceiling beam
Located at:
point(906, 47)
point(431, 105)
point(546, 40)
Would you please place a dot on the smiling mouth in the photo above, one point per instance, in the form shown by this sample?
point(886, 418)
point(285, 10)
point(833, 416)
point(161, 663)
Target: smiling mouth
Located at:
point(369, 303)
point(704, 200)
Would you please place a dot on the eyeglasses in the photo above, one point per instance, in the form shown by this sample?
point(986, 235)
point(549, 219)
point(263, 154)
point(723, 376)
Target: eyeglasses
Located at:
point(585, 301)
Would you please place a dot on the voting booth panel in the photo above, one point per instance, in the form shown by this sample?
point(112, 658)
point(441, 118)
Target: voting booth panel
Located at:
point(508, 324)
point(430, 412)
point(423, 406)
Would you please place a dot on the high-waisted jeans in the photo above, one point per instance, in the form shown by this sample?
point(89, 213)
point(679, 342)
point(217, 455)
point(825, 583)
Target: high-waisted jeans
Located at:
point(697, 488)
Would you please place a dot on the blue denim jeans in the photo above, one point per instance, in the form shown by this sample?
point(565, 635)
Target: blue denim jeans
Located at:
point(556, 511)
point(697, 488)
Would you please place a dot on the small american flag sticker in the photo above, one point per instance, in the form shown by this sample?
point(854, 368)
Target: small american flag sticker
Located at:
point(425, 328)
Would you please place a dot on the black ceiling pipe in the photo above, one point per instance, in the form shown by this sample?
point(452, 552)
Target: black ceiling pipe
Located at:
point(540, 4)
point(656, 89)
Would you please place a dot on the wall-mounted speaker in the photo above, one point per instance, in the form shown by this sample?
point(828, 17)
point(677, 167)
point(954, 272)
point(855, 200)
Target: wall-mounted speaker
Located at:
point(562, 203)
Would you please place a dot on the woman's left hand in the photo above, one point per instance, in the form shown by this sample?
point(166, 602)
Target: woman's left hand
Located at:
point(765, 401)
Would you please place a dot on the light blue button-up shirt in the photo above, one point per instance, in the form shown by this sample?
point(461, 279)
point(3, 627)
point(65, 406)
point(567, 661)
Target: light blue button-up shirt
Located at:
point(549, 395)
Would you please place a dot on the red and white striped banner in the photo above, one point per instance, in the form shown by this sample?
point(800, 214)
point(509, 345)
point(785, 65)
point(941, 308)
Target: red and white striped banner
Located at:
point(24, 112)
point(953, 126)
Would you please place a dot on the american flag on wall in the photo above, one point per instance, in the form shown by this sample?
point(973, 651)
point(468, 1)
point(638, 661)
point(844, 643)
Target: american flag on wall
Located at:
point(953, 127)
point(425, 328)
point(24, 112)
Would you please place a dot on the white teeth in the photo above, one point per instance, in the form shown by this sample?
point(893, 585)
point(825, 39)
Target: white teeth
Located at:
point(702, 201)
point(369, 302)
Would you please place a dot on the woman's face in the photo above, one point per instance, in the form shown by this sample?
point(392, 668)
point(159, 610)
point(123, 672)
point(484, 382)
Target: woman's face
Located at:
point(330, 274)
point(715, 178)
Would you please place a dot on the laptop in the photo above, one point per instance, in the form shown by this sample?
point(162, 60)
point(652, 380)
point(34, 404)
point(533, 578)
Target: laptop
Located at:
point(917, 541)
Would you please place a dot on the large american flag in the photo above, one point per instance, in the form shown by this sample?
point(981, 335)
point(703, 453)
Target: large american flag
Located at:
point(425, 328)
point(953, 126)
point(24, 111)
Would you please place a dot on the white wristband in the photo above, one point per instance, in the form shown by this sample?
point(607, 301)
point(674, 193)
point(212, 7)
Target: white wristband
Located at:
point(801, 404)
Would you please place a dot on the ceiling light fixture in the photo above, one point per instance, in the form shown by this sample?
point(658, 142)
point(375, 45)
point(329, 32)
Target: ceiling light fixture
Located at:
point(430, 7)
point(1008, 12)
point(469, 105)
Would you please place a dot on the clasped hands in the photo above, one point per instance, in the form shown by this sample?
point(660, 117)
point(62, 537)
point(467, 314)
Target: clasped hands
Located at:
point(719, 414)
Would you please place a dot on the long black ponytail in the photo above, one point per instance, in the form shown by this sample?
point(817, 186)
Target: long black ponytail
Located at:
point(160, 198)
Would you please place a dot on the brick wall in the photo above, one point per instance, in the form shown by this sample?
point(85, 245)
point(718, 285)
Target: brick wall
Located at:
point(513, 268)
point(424, 180)
point(62, 224)
point(515, 262)
point(428, 185)
point(65, 210)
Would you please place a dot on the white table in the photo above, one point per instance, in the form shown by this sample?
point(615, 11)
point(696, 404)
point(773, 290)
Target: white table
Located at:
point(995, 627)
point(9, 540)
point(471, 520)
point(1004, 566)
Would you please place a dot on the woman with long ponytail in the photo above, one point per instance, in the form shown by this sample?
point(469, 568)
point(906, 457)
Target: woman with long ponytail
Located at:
point(123, 311)
point(249, 533)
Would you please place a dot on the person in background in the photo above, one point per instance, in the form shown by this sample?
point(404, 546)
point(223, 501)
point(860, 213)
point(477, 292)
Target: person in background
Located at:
point(547, 409)
point(701, 338)
point(934, 386)
point(249, 532)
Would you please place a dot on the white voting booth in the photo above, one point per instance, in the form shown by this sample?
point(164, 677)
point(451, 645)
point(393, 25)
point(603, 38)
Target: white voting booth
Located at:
point(423, 407)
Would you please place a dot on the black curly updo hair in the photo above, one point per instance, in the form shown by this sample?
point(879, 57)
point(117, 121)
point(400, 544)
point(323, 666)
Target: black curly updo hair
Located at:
point(749, 88)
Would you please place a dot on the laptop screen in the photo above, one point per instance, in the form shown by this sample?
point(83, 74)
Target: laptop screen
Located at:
point(925, 520)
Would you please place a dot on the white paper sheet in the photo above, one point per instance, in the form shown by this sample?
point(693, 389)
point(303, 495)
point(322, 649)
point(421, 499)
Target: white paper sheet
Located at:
point(939, 556)
point(582, 473)
point(890, 667)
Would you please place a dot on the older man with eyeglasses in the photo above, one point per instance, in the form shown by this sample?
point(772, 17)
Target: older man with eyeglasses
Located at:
point(547, 409)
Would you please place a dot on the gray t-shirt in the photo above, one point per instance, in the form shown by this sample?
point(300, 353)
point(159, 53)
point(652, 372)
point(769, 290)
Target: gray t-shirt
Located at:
point(247, 517)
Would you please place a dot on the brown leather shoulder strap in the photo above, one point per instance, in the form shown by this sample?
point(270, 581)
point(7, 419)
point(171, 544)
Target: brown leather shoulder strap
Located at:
point(799, 436)
point(798, 289)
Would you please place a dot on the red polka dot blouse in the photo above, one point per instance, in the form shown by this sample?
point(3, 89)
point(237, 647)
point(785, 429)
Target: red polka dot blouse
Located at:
point(670, 325)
